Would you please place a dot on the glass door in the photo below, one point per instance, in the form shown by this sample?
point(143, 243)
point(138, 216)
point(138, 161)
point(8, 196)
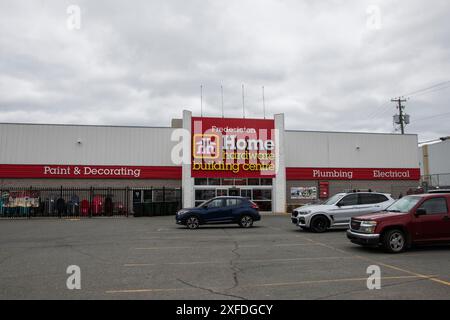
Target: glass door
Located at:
point(246, 193)
point(221, 192)
point(234, 192)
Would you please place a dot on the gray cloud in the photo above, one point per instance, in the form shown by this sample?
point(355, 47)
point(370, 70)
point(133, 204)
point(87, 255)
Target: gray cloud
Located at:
point(142, 62)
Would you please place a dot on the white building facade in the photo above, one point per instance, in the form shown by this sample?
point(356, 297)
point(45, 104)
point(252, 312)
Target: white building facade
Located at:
point(435, 163)
point(292, 167)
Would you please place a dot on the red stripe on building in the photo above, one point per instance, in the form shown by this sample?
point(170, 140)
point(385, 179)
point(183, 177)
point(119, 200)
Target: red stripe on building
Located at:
point(352, 174)
point(174, 172)
point(89, 172)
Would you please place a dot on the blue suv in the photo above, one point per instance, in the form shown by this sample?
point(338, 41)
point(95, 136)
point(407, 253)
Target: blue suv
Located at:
point(220, 210)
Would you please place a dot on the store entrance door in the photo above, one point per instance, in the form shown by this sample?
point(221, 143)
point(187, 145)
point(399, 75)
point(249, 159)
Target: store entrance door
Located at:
point(257, 190)
point(221, 192)
point(234, 192)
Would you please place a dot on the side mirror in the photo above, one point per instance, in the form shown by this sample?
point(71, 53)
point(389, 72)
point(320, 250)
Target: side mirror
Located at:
point(421, 212)
point(339, 204)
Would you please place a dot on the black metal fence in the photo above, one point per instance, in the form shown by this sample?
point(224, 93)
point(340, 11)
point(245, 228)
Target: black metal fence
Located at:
point(436, 181)
point(156, 202)
point(88, 202)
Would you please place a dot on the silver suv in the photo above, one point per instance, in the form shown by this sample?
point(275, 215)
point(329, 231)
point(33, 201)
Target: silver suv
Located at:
point(337, 211)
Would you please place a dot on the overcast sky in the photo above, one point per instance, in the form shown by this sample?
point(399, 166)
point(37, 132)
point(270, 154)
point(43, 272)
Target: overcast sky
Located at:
point(328, 65)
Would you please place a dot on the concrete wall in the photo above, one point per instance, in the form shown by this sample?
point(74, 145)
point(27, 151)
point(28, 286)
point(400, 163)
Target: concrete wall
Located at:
point(100, 145)
point(438, 167)
point(340, 150)
point(439, 157)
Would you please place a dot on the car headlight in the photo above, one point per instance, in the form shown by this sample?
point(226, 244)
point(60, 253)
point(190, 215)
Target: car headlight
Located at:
point(368, 226)
point(305, 212)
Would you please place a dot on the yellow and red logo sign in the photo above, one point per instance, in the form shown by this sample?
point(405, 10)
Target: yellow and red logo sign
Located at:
point(206, 146)
point(233, 147)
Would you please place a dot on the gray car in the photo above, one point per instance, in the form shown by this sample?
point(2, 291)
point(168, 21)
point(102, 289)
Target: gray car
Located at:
point(338, 210)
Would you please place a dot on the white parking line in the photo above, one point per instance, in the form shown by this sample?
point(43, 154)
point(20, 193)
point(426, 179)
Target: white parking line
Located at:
point(390, 266)
point(230, 246)
point(279, 284)
point(238, 261)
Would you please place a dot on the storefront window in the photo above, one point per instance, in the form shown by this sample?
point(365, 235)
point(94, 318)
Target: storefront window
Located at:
point(204, 194)
point(201, 181)
point(222, 192)
point(264, 205)
point(234, 192)
point(253, 182)
point(262, 194)
point(240, 182)
point(227, 181)
point(246, 193)
point(213, 181)
point(254, 189)
point(266, 182)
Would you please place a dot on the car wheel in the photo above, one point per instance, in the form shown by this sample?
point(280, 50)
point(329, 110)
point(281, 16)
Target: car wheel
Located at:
point(192, 222)
point(246, 221)
point(319, 224)
point(394, 241)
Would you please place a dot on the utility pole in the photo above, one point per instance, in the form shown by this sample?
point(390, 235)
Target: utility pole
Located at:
point(400, 107)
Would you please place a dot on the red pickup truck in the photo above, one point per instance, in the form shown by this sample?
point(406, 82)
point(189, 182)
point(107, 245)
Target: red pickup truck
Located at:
point(414, 219)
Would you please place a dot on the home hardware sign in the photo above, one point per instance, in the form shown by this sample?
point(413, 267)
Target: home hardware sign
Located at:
point(229, 147)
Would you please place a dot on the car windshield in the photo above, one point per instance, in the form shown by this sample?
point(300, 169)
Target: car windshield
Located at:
point(334, 199)
point(404, 204)
point(204, 204)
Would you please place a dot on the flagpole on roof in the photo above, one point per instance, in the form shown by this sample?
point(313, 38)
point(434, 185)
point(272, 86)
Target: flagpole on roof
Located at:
point(201, 100)
point(221, 90)
point(264, 102)
point(243, 102)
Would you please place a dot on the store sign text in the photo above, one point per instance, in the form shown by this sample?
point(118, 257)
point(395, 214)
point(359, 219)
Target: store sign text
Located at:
point(227, 147)
point(88, 171)
point(353, 173)
point(92, 171)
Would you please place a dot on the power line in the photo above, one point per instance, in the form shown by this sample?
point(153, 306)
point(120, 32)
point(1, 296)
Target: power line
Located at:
point(425, 89)
point(435, 116)
point(383, 108)
point(430, 91)
point(402, 118)
point(380, 110)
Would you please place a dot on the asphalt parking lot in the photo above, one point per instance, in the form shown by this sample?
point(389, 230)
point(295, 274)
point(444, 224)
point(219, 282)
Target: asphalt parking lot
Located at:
point(153, 258)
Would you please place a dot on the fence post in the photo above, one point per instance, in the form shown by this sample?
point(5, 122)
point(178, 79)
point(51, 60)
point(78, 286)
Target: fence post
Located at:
point(29, 209)
point(91, 191)
point(180, 198)
point(127, 197)
point(56, 204)
point(152, 206)
point(164, 205)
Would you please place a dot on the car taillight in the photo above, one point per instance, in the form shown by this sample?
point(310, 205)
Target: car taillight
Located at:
point(254, 206)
